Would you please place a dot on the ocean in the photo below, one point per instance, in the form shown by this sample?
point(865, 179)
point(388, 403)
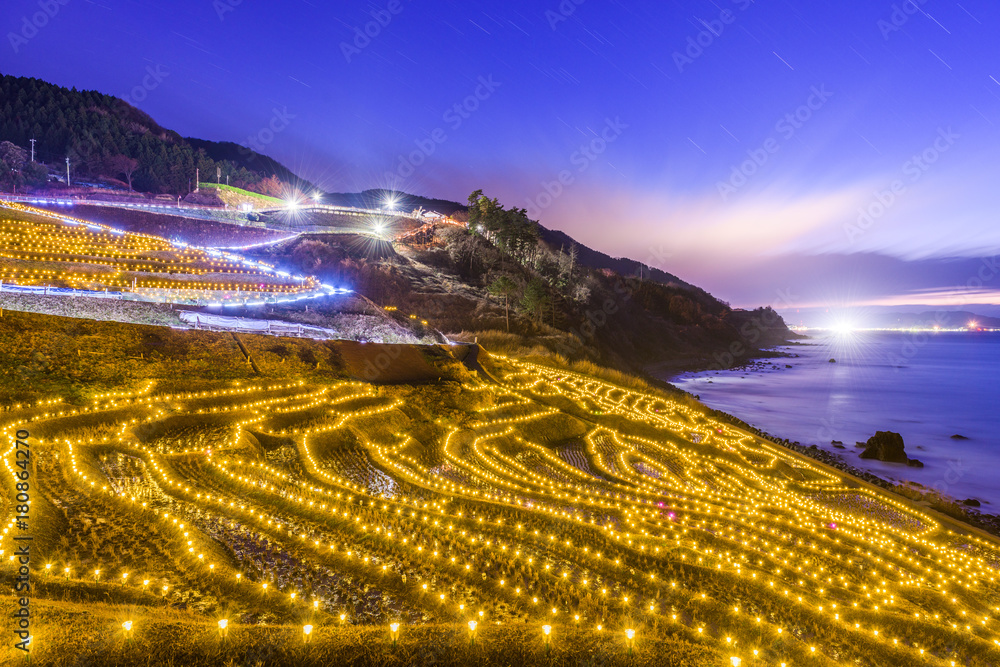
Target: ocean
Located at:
point(925, 386)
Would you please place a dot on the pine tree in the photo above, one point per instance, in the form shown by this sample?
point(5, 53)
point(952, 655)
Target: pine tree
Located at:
point(535, 298)
point(504, 287)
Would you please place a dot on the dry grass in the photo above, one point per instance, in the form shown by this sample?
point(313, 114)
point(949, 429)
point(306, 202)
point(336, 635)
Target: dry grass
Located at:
point(281, 512)
point(77, 634)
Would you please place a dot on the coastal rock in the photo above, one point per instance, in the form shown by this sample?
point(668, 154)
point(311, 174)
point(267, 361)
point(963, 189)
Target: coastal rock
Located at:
point(958, 437)
point(788, 365)
point(833, 361)
point(836, 442)
point(885, 446)
point(972, 502)
point(915, 463)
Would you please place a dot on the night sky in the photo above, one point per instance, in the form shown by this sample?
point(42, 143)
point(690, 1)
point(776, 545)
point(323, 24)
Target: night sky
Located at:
point(733, 143)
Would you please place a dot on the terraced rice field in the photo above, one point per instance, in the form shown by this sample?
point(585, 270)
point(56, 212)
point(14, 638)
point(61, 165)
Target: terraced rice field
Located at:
point(47, 249)
point(549, 516)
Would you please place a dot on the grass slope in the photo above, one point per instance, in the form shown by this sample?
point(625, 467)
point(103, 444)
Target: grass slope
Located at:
point(535, 494)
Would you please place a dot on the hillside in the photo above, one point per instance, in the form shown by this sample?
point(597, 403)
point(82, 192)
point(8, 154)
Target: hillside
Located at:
point(511, 279)
point(466, 287)
point(596, 259)
point(241, 157)
point(96, 130)
point(235, 198)
point(586, 256)
point(93, 128)
point(436, 278)
point(456, 507)
point(376, 198)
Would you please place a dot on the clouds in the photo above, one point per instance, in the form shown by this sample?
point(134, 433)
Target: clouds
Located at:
point(755, 229)
point(866, 146)
point(779, 238)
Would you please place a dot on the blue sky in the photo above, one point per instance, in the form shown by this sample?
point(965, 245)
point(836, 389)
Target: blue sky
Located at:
point(734, 143)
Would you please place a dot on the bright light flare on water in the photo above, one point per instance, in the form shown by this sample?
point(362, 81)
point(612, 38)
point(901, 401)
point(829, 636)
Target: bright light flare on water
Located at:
point(843, 329)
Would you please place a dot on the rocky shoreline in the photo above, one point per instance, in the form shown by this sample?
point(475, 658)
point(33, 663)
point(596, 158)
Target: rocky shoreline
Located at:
point(761, 359)
point(957, 509)
point(961, 510)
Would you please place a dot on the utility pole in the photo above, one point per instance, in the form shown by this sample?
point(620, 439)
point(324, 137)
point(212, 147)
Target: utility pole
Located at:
point(197, 178)
point(218, 176)
point(32, 150)
point(67, 171)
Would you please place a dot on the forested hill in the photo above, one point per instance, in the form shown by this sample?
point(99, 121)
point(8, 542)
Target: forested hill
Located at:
point(96, 130)
point(244, 158)
point(105, 136)
point(582, 301)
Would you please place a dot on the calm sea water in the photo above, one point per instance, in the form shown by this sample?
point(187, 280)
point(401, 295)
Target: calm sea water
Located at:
point(925, 386)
